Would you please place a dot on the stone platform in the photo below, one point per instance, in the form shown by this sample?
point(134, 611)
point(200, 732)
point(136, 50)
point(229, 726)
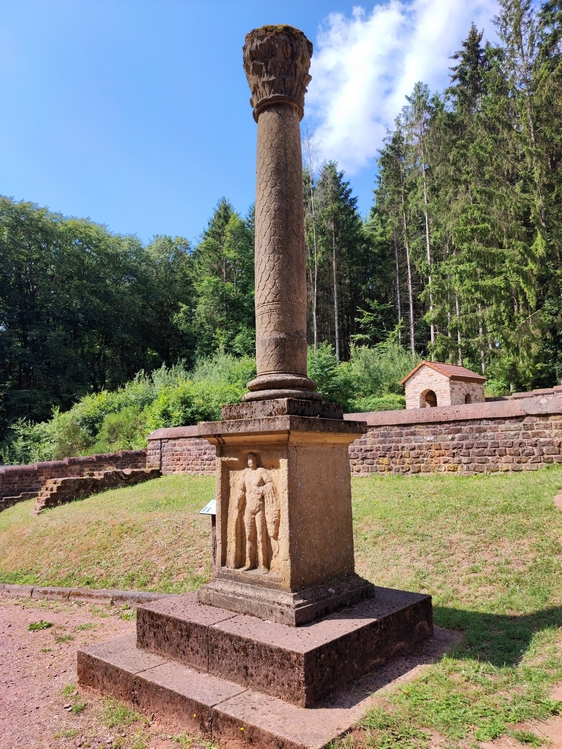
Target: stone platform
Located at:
point(235, 678)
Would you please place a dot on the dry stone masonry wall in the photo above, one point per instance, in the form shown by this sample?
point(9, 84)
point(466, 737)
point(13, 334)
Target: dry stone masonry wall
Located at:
point(180, 450)
point(18, 483)
point(522, 433)
point(60, 491)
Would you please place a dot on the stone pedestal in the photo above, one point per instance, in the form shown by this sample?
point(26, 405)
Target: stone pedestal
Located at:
point(241, 670)
point(235, 678)
point(284, 524)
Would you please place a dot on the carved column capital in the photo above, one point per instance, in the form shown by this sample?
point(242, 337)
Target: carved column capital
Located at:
point(276, 61)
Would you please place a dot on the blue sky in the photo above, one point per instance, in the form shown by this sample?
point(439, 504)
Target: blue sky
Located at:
point(135, 113)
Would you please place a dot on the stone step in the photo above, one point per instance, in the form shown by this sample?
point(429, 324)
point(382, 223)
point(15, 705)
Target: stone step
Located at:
point(300, 665)
point(216, 709)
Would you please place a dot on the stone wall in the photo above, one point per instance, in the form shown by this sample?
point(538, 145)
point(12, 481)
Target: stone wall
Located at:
point(180, 450)
point(57, 492)
point(521, 433)
point(24, 482)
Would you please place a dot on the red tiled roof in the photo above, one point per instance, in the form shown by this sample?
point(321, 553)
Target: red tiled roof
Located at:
point(452, 371)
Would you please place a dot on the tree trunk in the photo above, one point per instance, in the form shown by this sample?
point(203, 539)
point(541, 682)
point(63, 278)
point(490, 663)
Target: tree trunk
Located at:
point(480, 337)
point(334, 272)
point(457, 310)
point(398, 300)
point(427, 241)
point(410, 285)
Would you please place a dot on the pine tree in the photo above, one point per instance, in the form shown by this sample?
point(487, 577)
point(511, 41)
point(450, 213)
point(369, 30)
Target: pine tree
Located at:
point(222, 315)
point(344, 260)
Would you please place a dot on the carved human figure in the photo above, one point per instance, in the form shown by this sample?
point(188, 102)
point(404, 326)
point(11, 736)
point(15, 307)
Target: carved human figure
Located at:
point(258, 511)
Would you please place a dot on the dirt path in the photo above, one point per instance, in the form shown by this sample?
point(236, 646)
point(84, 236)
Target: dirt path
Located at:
point(39, 707)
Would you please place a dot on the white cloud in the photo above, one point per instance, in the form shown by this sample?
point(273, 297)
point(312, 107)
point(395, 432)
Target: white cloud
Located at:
point(364, 66)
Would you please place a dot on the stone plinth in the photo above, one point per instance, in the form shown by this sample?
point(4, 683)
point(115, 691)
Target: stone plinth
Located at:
point(211, 671)
point(284, 523)
point(301, 665)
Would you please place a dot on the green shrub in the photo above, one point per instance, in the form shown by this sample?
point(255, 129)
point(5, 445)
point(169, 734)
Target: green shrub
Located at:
point(378, 371)
point(370, 381)
point(225, 368)
point(125, 430)
point(388, 402)
point(28, 443)
point(335, 381)
point(168, 397)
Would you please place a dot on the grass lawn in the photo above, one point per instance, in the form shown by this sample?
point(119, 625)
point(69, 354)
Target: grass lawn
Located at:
point(487, 548)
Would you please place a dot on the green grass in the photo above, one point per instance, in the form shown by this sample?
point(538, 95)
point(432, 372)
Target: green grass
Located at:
point(145, 537)
point(117, 714)
point(487, 548)
point(489, 551)
point(34, 626)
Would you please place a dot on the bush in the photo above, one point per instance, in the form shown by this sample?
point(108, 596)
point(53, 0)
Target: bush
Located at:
point(125, 430)
point(378, 371)
point(119, 420)
point(388, 402)
point(335, 381)
point(370, 381)
point(28, 443)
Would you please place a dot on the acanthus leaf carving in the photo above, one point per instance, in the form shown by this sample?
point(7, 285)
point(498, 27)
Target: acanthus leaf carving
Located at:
point(276, 62)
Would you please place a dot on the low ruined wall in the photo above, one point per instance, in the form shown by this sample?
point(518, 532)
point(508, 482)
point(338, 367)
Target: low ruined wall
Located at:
point(180, 450)
point(60, 491)
point(25, 480)
point(519, 433)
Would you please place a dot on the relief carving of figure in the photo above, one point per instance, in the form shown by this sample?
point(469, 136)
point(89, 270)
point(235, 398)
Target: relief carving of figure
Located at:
point(258, 514)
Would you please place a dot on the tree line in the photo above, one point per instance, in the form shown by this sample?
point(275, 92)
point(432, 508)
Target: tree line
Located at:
point(468, 204)
point(458, 260)
point(84, 310)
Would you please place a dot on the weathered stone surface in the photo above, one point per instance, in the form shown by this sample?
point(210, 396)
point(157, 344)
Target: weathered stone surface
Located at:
point(283, 516)
point(259, 597)
point(179, 629)
point(175, 693)
point(244, 716)
point(110, 667)
point(424, 440)
point(481, 445)
point(246, 428)
point(19, 483)
point(59, 491)
point(304, 664)
point(301, 665)
point(282, 407)
point(180, 450)
point(276, 61)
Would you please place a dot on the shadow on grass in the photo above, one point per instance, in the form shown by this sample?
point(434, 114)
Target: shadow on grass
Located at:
point(499, 639)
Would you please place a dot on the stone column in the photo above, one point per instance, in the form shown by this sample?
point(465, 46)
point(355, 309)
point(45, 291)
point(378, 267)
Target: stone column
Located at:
point(284, 521)
point(276, 61)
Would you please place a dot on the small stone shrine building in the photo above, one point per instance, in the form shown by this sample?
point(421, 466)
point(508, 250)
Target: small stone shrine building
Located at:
point(433, 384)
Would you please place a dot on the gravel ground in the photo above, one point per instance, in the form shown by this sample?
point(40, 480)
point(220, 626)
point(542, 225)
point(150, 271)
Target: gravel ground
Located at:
point(40, 707)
